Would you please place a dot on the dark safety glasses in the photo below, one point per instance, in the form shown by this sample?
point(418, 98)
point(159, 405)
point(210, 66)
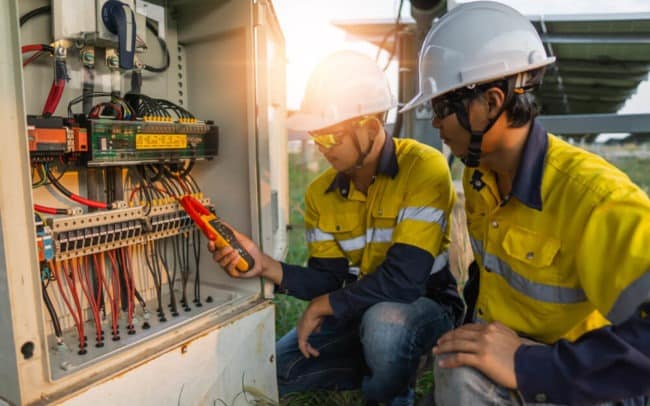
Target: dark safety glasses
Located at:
point(444, 106)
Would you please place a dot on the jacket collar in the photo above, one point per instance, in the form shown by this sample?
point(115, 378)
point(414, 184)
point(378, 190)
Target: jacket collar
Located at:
point(387, 166)
point(527, 185)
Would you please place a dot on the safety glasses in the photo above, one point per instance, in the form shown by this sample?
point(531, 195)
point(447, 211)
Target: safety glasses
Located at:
point(331, 139)
point(328, 140)
point(444, 106)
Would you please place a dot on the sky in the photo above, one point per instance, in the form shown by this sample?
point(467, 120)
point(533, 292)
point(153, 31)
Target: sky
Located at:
point(310, 36)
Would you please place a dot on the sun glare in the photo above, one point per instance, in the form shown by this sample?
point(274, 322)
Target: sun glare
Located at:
point(310, 37)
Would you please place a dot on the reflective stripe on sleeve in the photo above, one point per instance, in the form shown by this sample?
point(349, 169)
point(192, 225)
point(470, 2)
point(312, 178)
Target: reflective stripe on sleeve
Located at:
point(317, 235)
point(630, 298)
point(373, 235)
point(477, 247)
point(379, 234)
point(353, 244)
point(535, 290)
point(427, 214)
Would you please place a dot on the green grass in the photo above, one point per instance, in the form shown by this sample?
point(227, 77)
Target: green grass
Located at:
point(638, 169)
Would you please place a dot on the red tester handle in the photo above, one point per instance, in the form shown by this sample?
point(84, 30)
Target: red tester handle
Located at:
point(216, 231)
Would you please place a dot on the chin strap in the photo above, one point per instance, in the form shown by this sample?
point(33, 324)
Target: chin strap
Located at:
point(476, 137)
point(473, 157)
point(362, 154)
point(357, 144)
point(518, 84)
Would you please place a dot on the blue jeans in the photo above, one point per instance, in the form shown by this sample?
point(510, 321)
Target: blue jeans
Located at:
point(468, 386)
point(380, 353)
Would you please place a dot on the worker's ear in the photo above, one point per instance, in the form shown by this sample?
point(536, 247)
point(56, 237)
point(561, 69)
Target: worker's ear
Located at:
point(369, 125)
point(495, 98)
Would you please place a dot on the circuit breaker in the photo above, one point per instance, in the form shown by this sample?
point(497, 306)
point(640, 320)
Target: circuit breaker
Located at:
point(108, 293)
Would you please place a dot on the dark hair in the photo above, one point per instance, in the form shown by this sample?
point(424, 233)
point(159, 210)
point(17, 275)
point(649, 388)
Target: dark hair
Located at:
point(521, 109)
point(520, 105)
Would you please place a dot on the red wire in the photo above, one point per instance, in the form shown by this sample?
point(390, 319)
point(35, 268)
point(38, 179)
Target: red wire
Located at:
point(33, 58)
point(72, 286)
point(115, 281)
point(53, 98)
point(60, 86)
point(32, 47)
point(45, 209)
point(99, 270)
point(86, 202)
point(59, 282)
point(111, 294)
point(47, 108)
point(86, 286)
point(137, 188)
point(183, 185)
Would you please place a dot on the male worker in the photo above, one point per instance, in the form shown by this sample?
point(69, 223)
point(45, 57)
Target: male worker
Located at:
point(561, 238)
point(377, 229)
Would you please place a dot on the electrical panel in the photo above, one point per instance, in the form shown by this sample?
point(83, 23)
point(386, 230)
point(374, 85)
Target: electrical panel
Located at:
point(109, 294)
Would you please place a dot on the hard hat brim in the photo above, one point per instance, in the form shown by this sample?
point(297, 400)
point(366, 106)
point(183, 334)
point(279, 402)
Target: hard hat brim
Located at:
point(307, 122)
point(422, 97)
point(418, 100)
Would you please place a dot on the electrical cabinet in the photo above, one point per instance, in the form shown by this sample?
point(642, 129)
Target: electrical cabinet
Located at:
point(113, 297)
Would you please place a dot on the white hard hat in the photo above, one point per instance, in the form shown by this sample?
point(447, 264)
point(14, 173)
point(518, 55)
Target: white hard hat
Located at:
point(346, 84)
point(475, 43)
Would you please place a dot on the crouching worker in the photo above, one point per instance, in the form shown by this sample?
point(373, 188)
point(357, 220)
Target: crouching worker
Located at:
point(561, 238)
point(377, 226)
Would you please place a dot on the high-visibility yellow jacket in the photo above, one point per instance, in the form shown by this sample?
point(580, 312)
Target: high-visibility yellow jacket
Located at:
point(568, 251)
point(398, 232)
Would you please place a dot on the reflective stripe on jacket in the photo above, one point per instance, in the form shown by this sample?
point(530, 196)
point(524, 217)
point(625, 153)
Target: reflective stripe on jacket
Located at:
point(410, 206)
point(568, 252)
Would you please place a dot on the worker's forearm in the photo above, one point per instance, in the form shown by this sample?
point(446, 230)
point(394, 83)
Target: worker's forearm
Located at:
point(272, 270)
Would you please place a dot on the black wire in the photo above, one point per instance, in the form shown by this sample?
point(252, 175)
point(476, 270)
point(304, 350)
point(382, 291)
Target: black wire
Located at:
point(153, 272)
point(394, 31)
point(83, 97)
point(36, 12)
point(175, 259)
point(180, 111)
point(56, 183)
point(157, 173)
point(169, 185)
point(163, 46)
point(196, 247)
point(136, 82)
point(177, 264)
point(179, 255)
point(50, 309)
point(144, 190)
point(186, 262)
point(170, 279)
point(121, 278)
point(140, 299)
point(88, 90)
point(47, 182)
point(196, 185)
point(187, 169)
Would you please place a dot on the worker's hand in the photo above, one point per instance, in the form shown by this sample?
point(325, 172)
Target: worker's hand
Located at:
point(227, 257)
point(310, 322)
point(489, 348)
